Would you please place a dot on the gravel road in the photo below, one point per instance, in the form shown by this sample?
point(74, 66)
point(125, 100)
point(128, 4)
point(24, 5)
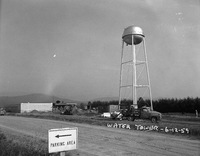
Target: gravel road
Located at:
point(101, 141)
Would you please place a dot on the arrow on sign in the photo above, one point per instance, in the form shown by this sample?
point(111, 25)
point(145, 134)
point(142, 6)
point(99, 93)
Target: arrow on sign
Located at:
point(58, 136)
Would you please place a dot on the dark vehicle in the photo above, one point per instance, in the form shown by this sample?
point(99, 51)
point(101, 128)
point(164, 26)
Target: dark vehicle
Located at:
point(67, 110)
point(64, 108)
point(141, 113)
point(2, 111)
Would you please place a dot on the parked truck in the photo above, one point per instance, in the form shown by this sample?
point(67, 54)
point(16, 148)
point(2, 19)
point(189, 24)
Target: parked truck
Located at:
point(141, 113)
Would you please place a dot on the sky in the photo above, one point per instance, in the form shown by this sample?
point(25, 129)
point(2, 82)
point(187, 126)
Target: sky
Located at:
point(72, 48)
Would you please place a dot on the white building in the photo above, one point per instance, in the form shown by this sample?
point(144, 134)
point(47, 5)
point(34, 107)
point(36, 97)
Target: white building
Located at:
point(42, 107)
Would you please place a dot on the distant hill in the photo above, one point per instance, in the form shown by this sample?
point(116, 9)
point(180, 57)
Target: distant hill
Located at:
point(32, 98)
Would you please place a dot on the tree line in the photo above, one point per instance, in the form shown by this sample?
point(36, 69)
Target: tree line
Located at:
point(165, 105)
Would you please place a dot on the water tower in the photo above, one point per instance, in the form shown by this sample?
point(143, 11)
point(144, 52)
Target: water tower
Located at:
point(134, 58)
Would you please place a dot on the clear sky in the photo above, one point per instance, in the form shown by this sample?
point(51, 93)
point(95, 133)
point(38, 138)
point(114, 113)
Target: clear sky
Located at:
point(72, 48)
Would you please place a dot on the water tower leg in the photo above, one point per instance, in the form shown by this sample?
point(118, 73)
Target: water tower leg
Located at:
point(134, 75)
point(148, 77)
point(120, 82)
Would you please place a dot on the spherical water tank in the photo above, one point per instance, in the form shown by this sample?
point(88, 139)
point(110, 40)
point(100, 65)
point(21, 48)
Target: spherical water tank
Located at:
point(134, 31)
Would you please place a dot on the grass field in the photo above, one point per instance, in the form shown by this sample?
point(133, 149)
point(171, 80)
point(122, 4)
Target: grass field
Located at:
point(17, 145)
point(12, 145)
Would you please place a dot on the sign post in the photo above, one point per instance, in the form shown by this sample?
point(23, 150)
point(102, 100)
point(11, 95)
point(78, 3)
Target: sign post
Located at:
point(63, 139)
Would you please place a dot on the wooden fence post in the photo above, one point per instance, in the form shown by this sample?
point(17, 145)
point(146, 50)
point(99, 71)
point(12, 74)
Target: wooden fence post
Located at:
point(62, 153)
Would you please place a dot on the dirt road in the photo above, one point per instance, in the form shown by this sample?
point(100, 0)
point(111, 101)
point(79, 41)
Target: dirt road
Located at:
point(102, 141)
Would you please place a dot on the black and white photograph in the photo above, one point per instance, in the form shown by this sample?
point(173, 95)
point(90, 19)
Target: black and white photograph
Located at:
point(99, 77)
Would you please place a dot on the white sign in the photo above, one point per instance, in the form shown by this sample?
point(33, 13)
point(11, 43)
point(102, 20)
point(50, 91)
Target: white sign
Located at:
point(63, 139)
